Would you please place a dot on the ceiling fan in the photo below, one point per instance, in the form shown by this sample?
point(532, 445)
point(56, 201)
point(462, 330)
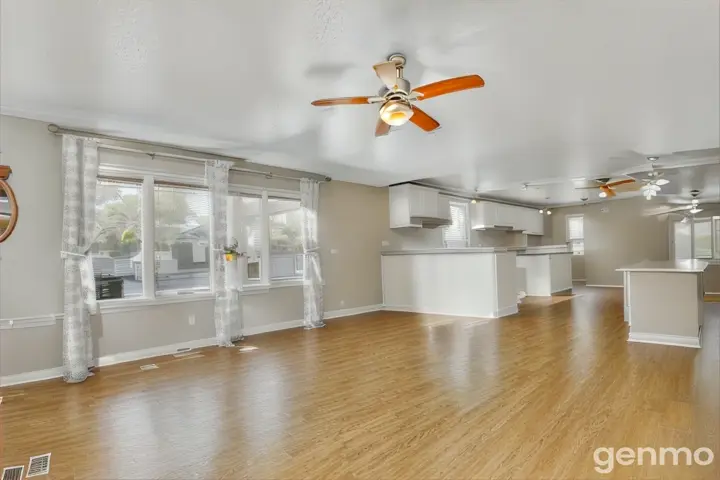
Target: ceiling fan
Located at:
point(688, 210)
point(610, 189)
point(396, 96)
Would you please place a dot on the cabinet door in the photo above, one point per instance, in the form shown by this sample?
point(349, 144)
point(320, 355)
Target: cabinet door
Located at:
point(505, 216)
point(416, 197)
point(443, 203)
point(482, 214)
point(430, 202)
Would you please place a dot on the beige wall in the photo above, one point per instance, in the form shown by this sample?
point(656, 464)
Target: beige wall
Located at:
point(353, 219)
point(620, 237)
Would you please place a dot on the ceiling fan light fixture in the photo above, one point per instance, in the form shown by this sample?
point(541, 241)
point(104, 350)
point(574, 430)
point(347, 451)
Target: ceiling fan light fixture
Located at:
point(602, 194)
point(396, 113)
point(696, 210)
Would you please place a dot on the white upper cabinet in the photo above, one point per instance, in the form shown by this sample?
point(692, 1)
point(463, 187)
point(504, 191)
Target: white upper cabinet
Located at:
point(483, 215)
point(410, 204)
point(487, 215)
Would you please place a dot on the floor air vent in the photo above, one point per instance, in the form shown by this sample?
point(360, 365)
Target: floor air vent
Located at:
point(149, 366)
point(39, 465)
point(13, 473)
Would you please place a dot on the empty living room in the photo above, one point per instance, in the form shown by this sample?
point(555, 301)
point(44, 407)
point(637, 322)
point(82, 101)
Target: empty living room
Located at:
point(359, 239)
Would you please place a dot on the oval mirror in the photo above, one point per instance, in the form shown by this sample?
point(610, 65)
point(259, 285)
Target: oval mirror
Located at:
point(8, 205)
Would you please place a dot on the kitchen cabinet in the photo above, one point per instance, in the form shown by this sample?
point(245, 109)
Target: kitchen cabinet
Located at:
point(489, 215)
point(416, 206)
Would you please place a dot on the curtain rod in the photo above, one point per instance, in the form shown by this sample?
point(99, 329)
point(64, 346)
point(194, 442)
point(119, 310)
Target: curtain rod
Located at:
point(186, 155)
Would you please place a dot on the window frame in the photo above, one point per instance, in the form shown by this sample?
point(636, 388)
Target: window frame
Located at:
point(151, 296)
point(575, 240)
point(465, 205)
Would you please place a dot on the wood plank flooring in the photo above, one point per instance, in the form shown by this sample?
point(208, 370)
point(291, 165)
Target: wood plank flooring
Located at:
point(388, 395)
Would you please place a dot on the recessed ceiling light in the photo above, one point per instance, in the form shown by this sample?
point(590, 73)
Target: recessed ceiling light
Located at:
point(653, 159)
point(473, 201)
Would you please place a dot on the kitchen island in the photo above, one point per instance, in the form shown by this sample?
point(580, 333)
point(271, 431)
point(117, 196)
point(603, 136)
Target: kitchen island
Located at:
point(545, 271)
point(471, 282)
point(664, 301)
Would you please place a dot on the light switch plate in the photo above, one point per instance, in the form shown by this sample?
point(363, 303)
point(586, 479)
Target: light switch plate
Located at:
point(334, 251)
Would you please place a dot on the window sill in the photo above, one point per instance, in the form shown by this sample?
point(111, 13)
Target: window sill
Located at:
point(116, 305)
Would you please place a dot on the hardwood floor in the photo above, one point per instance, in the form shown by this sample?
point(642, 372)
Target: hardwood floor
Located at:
point(388, 395)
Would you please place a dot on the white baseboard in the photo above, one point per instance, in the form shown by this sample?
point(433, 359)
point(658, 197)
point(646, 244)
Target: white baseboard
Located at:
point(712, 293)
point(134, 355)
point(605, 286)
point(503, 312)
point(579, 280)
point(674, 340)
point(159, 351)
point(496, 314)
point(34, 376)
point(348, 312)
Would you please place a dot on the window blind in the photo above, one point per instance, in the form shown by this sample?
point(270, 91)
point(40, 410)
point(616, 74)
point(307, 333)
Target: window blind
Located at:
point(575, 230)
point(455, 235)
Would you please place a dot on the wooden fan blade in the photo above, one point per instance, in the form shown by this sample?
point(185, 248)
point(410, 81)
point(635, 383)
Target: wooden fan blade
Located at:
point(423, 120)
point(382, 128)
point(609, 191)
point(326, 102)
point(450, 85)
point(387, 72)
point(620, 182)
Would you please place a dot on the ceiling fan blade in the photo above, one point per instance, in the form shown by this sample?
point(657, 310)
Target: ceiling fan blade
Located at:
point(610, 192)
point(450, 85)
point(387, 72)
point(627, 187)
point(588, 188)
point(620, 182)
point(423, 120)
point(327, 102)
point(382, 128)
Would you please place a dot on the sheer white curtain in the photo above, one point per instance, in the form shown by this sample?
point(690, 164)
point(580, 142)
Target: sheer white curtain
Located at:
point(312, 273)
point(80, 166)
point(226, 298)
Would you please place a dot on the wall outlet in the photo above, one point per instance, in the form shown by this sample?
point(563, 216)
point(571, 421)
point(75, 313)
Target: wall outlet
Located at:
point(334, 251)
point(342, 303)
point(191, 319)
point(385, 243)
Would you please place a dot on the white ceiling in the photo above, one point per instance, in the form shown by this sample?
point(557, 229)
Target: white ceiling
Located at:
point(569, 85)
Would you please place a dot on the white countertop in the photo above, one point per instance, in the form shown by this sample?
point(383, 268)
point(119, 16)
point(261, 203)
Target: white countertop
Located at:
point(672, 266)
point(525, 254)
point(436, 251)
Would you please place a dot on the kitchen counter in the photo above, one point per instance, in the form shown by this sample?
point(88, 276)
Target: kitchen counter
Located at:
point(439, 251)
point(676, 266)
point(664, 301)
point(525, 254)
point(470, 282)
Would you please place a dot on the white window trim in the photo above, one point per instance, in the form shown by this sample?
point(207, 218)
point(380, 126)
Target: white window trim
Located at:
point(567, 226)
point(150, 296)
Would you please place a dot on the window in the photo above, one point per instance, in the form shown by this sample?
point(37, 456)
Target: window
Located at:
point(456, 235)
point(576, 233)
point(244, 226)
point(702, 238)
point(286, 252)
point(117, 257)
point(182, 238)
point(152, 237)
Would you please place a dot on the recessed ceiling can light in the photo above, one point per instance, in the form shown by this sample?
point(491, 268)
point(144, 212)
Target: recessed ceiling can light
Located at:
point(653, 159)
point(473, 201)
